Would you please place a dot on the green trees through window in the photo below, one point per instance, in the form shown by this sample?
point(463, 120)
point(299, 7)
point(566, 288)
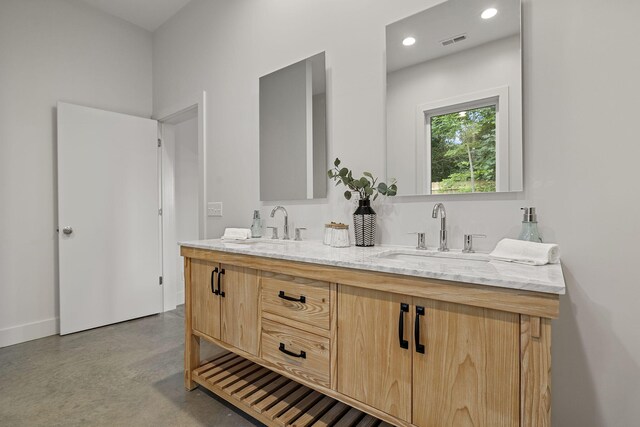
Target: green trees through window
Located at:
point(463, 151)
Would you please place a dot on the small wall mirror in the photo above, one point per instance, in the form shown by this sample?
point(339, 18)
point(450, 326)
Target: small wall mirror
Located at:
point(293, 140)
point(454, 98)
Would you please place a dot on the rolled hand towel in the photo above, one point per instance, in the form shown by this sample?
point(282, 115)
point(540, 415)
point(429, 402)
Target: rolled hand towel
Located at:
point(523, 252)
point(236, 234)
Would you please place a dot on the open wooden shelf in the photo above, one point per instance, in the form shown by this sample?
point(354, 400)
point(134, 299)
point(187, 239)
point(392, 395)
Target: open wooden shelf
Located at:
point(273, 399)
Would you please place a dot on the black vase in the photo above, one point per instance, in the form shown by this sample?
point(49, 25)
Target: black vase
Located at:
point(364, 224)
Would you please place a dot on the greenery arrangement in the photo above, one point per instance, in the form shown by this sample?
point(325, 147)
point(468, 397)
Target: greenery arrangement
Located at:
point(366, 185)
point(463, 151)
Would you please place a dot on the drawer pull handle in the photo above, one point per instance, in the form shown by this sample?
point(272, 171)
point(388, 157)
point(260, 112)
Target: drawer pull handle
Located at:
point(419, 312)
point(302, 298)
point(220, 292)
point(213, 289)
point(404, 308)
point(302, 354)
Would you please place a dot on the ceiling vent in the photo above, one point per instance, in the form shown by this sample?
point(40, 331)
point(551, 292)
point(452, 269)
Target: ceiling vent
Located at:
point(454, 40)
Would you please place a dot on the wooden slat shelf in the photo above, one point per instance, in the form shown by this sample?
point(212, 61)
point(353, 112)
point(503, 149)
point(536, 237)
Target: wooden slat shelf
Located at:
point(274, 399)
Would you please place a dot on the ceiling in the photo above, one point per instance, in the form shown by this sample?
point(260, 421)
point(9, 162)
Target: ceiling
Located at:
point(148, 14)
point(447, 20)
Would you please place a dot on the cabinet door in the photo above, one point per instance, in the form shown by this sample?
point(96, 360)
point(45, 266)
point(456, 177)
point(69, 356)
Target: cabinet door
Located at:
point(469, 372)
point(239, 308)
point(373, 367)
point(206, 305)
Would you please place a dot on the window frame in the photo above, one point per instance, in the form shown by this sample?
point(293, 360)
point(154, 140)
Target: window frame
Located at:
point(496, 96)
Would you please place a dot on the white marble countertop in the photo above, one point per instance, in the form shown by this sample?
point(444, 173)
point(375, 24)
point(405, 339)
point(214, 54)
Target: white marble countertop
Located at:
point(474, 268)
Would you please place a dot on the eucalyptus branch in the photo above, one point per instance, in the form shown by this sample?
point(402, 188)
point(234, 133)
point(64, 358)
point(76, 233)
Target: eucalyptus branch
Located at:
point(365, 186)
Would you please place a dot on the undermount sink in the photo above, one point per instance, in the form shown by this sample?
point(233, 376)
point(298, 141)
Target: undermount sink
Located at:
point(422, 255)
point(257, 242)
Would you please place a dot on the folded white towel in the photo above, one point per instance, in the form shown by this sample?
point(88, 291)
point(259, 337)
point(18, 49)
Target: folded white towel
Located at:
point(523, 252)
point(236, 234)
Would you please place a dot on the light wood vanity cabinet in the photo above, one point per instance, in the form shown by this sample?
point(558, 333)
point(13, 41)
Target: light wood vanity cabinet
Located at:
point(428, 362)
point(296, 325)
point(225, 303)
point(239, 292)
point(301, 353)
point(372, 367)
point(296, 298)
point(407, 350)
point(468, 372)
point(204, 300)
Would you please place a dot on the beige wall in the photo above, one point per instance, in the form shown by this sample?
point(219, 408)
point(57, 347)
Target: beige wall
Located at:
point(51, 50)
point(581, 150)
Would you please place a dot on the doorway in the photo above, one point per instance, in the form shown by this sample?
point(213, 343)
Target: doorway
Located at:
point(182, 191)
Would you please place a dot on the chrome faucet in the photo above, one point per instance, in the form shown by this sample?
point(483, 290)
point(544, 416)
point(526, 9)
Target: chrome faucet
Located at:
point(439, 208)
point(286, 221)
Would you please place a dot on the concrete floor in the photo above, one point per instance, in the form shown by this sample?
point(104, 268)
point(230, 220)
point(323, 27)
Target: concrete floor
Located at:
point(128, 374)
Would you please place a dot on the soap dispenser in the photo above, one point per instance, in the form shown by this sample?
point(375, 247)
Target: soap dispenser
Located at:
point(256, 226)
point(529, 230)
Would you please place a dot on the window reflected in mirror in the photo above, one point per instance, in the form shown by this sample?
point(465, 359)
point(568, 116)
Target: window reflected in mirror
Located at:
point(463, 150)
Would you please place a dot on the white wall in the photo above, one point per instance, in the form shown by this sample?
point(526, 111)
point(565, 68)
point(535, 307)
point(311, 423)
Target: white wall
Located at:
point(488, 66)
point(51, 50)
point(581, 151)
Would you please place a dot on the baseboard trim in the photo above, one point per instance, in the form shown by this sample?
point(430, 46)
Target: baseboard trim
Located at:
point(29, 331)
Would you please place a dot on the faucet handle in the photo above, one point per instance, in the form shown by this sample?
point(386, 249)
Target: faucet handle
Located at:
point(298, 235)
point(468, 242)
point(422, 239)
point(274, 232)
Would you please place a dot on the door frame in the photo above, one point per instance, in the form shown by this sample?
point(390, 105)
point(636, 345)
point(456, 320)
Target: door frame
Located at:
point(197, 102)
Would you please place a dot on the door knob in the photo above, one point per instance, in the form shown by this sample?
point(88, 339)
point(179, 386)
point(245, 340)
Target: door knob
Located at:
point(67, 230)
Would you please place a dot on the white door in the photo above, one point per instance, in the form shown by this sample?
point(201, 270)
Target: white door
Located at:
point(108, 199)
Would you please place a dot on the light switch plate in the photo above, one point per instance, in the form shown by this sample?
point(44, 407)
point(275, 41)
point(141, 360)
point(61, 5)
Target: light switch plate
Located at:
point(214, 209)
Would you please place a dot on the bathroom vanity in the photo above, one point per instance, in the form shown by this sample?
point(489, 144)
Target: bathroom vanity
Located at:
point(316, 334)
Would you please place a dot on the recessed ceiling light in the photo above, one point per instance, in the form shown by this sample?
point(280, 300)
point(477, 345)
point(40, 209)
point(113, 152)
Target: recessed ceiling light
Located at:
point(409, 41)
point(489, 13)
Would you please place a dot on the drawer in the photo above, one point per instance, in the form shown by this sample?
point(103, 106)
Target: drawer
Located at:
point(301, 353)
point(295, 298)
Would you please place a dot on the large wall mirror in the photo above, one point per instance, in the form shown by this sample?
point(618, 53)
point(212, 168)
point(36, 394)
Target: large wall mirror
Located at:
point(454, 98)
point(293, 136)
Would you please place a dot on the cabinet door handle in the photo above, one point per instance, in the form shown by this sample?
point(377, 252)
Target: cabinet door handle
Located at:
point(220, 292)
point(302, 354)
point(419, 312)
point(302, 298)
point(213, 289)
point(404, 308)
